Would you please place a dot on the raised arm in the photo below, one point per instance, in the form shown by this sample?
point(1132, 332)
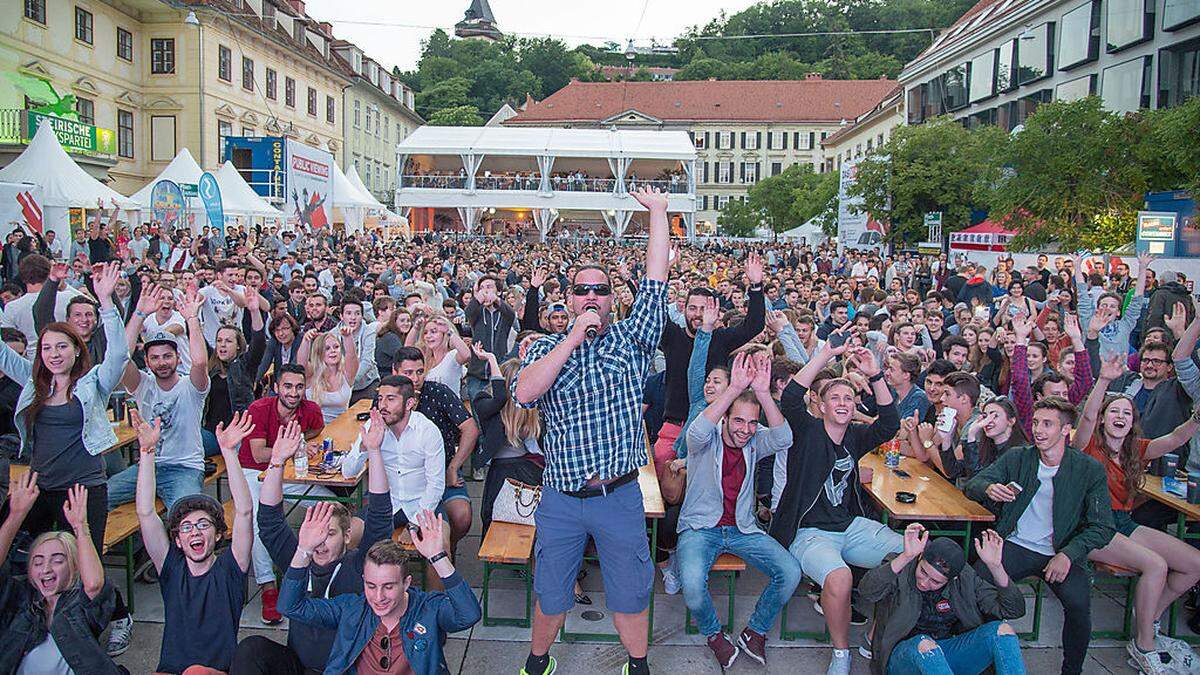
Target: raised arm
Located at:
point(116, 354)
point(197, 347)
point(1111, 368)
point(154, 533)
point(47, 297)
point(22, 493)
point(658, 243)
point(817, 363)
point(306, 343)
point(350, 362)
point(230, 439)
point(1178, 436)
point(91, 571)
point(287, 442)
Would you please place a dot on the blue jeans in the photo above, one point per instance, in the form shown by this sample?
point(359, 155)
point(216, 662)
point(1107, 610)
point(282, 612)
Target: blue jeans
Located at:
point(173, 482)
point(967, 654)
point(211, 447)
point(698, 549)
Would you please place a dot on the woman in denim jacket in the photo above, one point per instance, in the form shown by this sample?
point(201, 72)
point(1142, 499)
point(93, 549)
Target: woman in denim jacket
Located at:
point(61, 415)
point(51, 624)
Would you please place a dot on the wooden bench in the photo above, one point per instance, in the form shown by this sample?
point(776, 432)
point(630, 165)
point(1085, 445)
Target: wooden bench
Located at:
point(508, 546)
point(727, 565)
point(1115, 575)
point(792, 634)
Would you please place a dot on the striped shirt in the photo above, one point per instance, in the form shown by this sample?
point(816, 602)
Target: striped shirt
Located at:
point(593, 411)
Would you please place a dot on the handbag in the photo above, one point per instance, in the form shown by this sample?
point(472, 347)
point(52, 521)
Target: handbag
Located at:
point(516, 502)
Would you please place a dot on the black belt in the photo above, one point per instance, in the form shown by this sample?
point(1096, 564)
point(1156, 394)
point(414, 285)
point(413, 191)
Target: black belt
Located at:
point(603, 489)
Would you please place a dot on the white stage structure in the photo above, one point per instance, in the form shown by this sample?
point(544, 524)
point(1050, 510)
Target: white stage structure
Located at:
point(478, 170)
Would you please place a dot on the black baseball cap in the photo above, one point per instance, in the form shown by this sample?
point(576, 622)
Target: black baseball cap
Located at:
point(946, 556)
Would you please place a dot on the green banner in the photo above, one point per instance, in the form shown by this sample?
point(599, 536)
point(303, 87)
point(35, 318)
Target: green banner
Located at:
point(75, 136)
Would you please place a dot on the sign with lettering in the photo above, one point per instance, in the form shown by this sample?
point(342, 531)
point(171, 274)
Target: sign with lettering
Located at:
point(75, 136)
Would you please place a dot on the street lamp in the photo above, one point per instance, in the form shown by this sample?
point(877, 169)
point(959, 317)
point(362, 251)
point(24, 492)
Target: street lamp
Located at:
point(191, 19)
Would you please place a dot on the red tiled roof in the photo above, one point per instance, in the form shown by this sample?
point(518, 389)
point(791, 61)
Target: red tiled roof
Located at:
point(809, 100)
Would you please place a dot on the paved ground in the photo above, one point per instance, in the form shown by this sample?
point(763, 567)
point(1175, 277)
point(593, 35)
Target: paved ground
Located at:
point(491, 650)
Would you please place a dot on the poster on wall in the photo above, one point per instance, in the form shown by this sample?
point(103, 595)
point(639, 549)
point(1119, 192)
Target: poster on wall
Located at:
point(20, 206)
point(855, 229)
point(309, 183)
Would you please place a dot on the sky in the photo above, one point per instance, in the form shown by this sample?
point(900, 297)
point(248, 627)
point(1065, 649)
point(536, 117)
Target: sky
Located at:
point(390, 31)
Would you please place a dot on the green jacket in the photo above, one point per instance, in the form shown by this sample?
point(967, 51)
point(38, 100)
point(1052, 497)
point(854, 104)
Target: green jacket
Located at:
point(1082, 514)
point(897, 605)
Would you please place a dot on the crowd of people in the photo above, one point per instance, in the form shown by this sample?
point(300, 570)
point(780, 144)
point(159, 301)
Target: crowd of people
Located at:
point(574, 181)
point(754, 376)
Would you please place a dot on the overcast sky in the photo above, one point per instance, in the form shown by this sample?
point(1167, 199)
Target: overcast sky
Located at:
point(575, 21)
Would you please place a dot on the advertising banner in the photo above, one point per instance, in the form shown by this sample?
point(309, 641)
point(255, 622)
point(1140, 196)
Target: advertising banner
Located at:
point(309, 183)
point(20, 205)
point(75, 136)
point(210, 195)
point(855, 228)
point(166, 201)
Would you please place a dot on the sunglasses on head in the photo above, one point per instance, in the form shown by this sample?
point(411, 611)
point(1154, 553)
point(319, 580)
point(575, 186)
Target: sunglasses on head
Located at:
point(584, 289)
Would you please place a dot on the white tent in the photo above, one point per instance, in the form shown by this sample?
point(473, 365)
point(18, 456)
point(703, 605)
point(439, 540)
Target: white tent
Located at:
point(64, 183)
point(347, 195)
point(354, 179)
point(182, 169)
point(238, 198)
point(810, 232)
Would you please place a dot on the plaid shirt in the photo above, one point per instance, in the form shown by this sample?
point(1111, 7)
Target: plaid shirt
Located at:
point(593, 411)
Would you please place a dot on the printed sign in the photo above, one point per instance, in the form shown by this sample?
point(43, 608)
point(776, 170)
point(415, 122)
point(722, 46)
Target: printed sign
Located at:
point(309, 183)
point(75, 136)
point(1156, 225)
point(20, 205)
point(210, 196)
point(166, 201)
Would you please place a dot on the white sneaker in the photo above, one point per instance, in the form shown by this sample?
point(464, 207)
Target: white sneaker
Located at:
point(1183, 659)
point(670, 581)
point(1148, 663)
point(840, 663)
point(119, 636)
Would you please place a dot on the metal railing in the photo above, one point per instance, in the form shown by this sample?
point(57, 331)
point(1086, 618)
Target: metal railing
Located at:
point(534, 183)
point(10, 125)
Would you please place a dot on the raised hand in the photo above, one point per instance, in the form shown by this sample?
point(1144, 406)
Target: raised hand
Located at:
point(990, 547)
point(742, 373)
point(712, 314)
point(428, 541)
point(865, 361)
point(104, 280)
point(538, 278)
point(1022, 326)
point(23, 492)
point(192, 302)
point(1144, 259)
point(776, 320)
point(1112, 366)
point(915, 538)
point(150, 299)
point(287, 442)
point(761, 384)
point(1100, 321)
point(75, 508)
point(147, 434)
point(1176, 320)
point(315, 528)
point(373, 435)
point(1071, 327)
point(754, 269)
point(58, 272)
point(230, 436)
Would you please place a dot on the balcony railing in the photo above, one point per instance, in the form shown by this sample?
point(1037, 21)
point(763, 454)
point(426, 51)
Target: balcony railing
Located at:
point(10, 125)
point(533, 183)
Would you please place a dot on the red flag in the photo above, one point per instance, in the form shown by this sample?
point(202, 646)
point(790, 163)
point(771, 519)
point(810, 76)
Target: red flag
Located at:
point(31, 210)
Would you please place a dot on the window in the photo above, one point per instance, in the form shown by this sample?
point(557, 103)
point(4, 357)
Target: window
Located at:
point(1178, 73)
point(1024, 107)
point(750, 172)
point(803, 141)
point(312, 101)
point(224, 63)
point(247, 74)
point(387, 126)
point(1125, 87)
point(955, 82)
point(162, 56)
point(357, 111)
point(701, 140)
point(124, 133)
point(330, 109)
point(35, 10)
point(1073, 90)
point(916, 104)
point(289, 92)
point(224, 129)
point(162, 138)
point(124, 44)
point(777, 140)
point(1005, 63)
point(86, 109)
point(1129, 22)
point(1035, 55)
point(399, 133)
point(1176, 13)
point(272, 84)
point(1079, 35)
point(724, 172)
point(722, 202)
point(749, 140)
point(83, 25)
point(725, 140)
point(776, 168)
point(248, 131)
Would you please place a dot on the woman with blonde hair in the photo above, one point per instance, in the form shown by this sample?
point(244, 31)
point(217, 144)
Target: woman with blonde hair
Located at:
point(53, 623)
point(446, 354)
point(331, 364)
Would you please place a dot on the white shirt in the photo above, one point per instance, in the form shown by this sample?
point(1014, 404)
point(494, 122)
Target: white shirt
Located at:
point(415, 462)
point(19, 314)
point(150, 326)
point(1035, 527)
point(219, 310)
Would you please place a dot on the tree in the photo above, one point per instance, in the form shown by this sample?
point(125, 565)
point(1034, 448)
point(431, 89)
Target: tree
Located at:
point(816, 197)
point(738, 219)
point(460, 116)
point(936, 166)
point(702, 69)
point(775, 197)
point(1073, 163)
point(1172, 148)
point(450, 93)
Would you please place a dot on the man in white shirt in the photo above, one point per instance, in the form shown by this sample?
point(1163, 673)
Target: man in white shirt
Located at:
point(53, 245)
point(33, 271)
point(363, 334)
point(139, 244)
point(412, 451)
point(224, 302)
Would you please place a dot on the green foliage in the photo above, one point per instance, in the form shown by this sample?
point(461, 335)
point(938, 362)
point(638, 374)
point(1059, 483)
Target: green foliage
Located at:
point(792, 198)
point(1073, 162)
point(1173, 150)
point(459, 116)
point(450, 93)
point(936, 166)
point(738, 219)
point(816, 197)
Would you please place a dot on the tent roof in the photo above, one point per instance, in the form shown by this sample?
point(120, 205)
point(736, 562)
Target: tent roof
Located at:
point(535, 141)
point(988, 226)
point(64, 183)
point(238, 198)
point(182, 169)
point(354, 179)
point(346, 195)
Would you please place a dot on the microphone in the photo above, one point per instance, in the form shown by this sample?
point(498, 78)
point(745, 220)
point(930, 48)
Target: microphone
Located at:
point(591, 330)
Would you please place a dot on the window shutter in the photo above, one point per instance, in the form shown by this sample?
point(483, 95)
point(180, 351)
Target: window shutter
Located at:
point(743, 172)
point(731, 173)
point(704, 173)
point(704, 202)
point(757, 172)
point(757, 140)
point(769, 135)
point(812, 139)
point(783, 139)
point(743, 140)
point(796, 140)
point(706, 145)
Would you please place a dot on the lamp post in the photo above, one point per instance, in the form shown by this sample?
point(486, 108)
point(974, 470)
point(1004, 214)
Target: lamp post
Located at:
point(191, 20)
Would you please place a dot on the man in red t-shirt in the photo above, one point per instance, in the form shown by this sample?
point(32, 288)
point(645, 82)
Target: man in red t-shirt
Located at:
point(271, 414)
point(724, 445)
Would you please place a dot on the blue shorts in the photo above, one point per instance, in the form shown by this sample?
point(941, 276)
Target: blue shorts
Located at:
point(617, 523)
point(452, 493)
point(865, 543)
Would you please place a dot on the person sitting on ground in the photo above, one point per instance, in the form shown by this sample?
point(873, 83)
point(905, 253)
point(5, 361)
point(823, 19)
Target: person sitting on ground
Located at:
point(391, 627)
point(934, 615)
point(724, 446)
point(52, 623)
point(203, 592)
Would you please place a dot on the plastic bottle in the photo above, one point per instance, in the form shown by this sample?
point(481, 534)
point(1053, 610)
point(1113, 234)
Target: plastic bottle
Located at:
point(301, 462)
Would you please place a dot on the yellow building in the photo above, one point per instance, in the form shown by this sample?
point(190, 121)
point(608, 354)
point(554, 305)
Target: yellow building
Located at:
point(168, 76)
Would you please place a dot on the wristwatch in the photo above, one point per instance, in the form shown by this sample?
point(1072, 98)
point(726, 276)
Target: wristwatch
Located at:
point(927, 444)
point(437, 557)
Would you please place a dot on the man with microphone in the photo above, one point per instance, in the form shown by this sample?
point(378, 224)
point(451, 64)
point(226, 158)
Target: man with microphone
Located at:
point(587, 383)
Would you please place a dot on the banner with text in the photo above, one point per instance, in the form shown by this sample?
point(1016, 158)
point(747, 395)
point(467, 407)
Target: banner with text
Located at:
point(309, 183)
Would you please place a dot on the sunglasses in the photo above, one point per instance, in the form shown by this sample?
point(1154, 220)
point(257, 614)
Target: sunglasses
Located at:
point(599, 289)
point(385, 661)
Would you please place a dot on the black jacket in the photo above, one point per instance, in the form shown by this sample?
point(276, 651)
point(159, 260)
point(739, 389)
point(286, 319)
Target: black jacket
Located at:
point(78, 622)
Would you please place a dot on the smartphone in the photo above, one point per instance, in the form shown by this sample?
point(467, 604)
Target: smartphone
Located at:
point(838, 339)
point(901, 473)
point(1014, 486)
point(945, 420)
